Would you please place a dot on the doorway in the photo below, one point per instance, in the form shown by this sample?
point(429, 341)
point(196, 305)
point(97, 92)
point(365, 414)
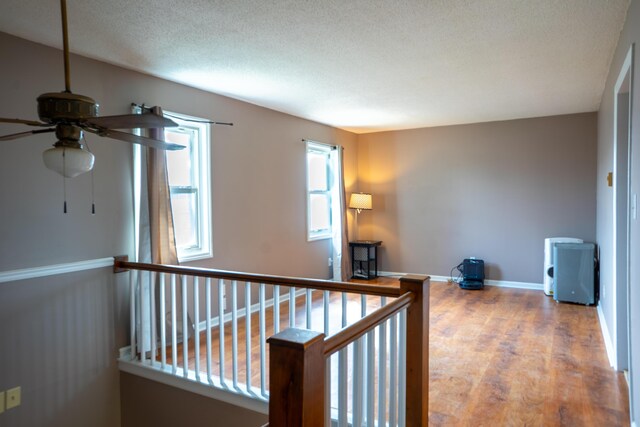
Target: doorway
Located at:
point(621, 207)
point(625, 228)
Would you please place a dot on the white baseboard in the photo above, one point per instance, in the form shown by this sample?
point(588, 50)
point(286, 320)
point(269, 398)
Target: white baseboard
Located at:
point(606, 336)
point(516, 285)
point(215, 321)
point(498, 283)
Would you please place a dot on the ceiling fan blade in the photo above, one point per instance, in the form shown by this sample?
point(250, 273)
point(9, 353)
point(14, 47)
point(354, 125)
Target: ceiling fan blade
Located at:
point(136, 139)
point(23, 134)
point(131, 121)
point(23, 122)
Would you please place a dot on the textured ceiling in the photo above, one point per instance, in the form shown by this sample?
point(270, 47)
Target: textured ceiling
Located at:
point(360, 65)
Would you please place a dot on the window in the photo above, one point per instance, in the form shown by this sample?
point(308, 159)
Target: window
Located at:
point(319, 183)
point(189, 182)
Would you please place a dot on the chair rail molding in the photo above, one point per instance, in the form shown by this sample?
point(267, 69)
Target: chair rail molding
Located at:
point(52, 270)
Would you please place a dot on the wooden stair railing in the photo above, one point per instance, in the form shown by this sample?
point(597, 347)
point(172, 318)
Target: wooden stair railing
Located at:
point(298, 357)
point(297, 361)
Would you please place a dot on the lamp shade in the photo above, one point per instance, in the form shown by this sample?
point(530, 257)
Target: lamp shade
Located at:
point(360, 201)
point(68, 161)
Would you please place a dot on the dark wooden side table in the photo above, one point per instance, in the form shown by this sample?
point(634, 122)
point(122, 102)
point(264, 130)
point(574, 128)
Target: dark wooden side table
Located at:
point(364, 258)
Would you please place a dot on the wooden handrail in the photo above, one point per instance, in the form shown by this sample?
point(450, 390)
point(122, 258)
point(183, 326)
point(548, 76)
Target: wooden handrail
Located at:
point(324, 285)
point(354, 331)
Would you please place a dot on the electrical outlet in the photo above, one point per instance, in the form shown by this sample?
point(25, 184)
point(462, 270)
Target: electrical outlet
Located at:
point(13, 397)
point(1, 402)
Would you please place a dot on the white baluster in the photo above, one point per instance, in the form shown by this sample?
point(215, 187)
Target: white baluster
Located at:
point(393, 368)
point(141, 313)
point(371, 349)
point(196, 328)
point(163, 323)
point(292, 307)
point(263, 338)
point(365, 378)
point(132, 313)
point(327, 394)
point(276, 309)
point(382, 369)
point(402, 370)
point(247, 307)
point(358, 364)
point(221, 293)
point(343, 371)
point(185, 330)
point(234, 332)
point(174, 327)
point(152, 318)
point(308, 308)
point(207, 309)
point(326, 296)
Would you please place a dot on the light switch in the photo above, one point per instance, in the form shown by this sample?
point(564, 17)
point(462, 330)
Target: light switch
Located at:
point(13, 397)
point(1, 402)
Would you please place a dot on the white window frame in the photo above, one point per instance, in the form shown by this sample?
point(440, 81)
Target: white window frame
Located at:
point(201, 158)
point(312, 146)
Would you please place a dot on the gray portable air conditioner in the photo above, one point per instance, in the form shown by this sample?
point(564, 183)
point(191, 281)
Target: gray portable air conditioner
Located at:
point(574, 268)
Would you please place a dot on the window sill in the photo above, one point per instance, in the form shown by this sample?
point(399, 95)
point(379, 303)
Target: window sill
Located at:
point(314, 238)
point(195, 257)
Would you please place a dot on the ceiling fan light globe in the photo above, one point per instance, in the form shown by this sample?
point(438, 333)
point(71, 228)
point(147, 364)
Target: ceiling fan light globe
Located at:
point(68, 161)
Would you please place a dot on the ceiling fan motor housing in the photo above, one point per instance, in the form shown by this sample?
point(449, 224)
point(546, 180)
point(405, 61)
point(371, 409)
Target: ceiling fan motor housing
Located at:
point(59, 107)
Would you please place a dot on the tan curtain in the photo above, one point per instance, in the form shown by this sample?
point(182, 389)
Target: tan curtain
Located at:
point(157, 241)
point(346, 265)
point(161, 231)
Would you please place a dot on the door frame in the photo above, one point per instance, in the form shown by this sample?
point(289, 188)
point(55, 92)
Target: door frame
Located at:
point(623, 210)
point(621, 217)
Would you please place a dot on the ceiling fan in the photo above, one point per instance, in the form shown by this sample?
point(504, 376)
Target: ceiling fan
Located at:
point(69, 115)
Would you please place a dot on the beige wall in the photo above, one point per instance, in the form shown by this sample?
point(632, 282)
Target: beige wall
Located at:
point(259, 209)
point(148, 403)
point(629, 35)
point(489, 190)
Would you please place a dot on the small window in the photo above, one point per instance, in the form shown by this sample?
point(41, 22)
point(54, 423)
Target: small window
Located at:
point(189, 183)
point(319, 177)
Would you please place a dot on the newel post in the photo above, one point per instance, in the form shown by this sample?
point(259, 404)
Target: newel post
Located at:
point(296, 378)
point(417, 394)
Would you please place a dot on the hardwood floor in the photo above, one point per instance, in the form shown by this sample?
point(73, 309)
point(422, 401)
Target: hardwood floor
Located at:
point(516, 357)
point(498, 357)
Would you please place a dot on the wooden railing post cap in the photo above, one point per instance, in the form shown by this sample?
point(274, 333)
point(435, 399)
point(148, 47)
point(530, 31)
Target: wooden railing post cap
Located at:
point(414, 283)
point(296, 338)
point(415, 278)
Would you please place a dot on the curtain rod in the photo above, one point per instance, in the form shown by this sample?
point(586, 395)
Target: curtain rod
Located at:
point(211, 122)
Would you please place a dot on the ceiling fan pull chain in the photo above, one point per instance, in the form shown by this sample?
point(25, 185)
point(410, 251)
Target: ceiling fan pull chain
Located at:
point(64, 179)
point(93, 193)
point(93, 198)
